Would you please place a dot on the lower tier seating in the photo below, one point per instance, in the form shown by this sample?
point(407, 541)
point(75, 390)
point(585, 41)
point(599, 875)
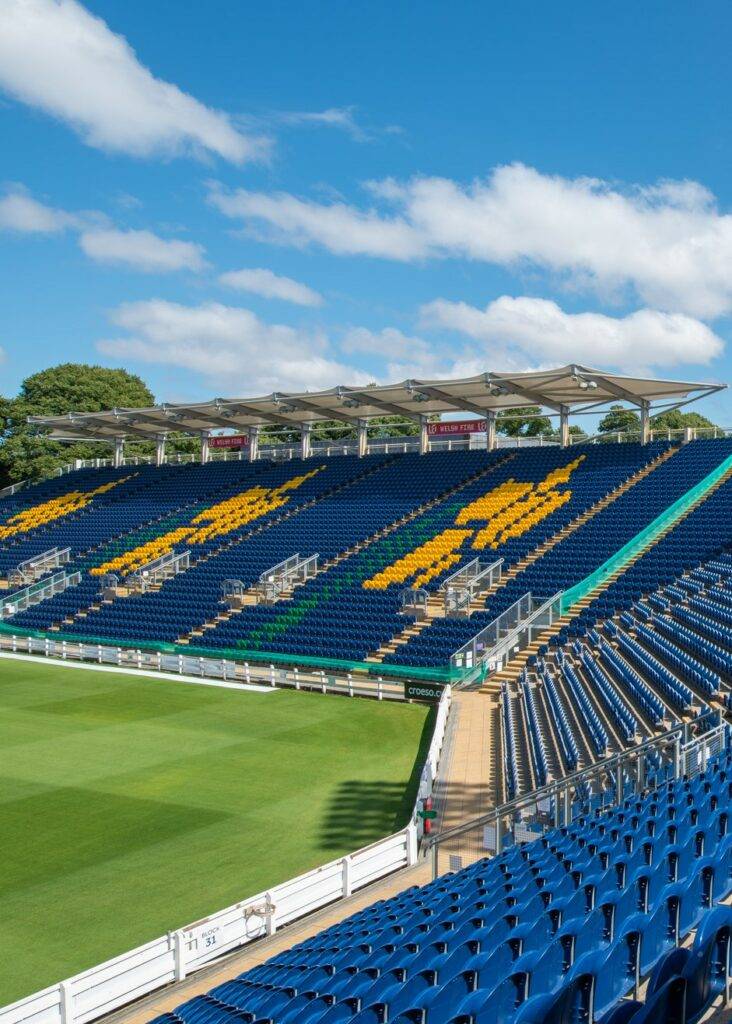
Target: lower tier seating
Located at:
point(599, 687)
point(555, 931)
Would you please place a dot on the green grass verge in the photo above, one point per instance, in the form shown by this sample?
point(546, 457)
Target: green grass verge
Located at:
point(131, 806)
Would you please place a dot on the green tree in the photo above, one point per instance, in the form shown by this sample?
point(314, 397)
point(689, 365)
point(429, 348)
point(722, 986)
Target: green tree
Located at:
point(617, 420)
point(675, 419)
point(26, 453)
point(523, 422)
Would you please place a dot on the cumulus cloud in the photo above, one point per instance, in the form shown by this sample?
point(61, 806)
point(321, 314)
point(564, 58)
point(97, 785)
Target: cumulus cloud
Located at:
point(142, 250)
point(541, 330)
point(230, 346)
point(408, 355)
point(58, 57)
point(668, 242)
point(263, 282)
point(337, 226)
point(20, 212)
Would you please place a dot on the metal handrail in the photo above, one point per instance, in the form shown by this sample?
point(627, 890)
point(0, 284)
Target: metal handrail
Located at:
point(558, 793)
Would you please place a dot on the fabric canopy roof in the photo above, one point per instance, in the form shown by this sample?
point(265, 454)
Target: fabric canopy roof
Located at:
point(570, 388)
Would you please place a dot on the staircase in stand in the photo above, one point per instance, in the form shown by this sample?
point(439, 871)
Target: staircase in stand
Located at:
point(513, 669)
point(351, 551)
point(435, 606)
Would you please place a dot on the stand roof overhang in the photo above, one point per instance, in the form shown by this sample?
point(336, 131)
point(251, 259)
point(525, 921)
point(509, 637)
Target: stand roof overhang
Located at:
point(573, 388)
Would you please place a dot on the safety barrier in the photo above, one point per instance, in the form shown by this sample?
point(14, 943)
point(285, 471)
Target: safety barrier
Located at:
point(469, 582)
point(645, 537)
point(158, 570)
point(511, 632)
point(170, 958)
point(37, 592)
point(33, 568)
point(683, 750)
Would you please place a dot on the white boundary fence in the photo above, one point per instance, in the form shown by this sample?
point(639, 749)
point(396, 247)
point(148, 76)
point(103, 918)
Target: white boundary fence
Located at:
point(347, 684)
point(111, 985)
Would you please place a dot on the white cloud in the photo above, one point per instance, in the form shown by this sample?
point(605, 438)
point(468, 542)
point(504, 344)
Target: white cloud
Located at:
point(342, 118)
point(230, 346)
point(540, 330)
point(337, 226)
point(142, 250)
point(411, 356)
point(263, 282)
point(667, 241)
point(20, 212)
point(58, 57)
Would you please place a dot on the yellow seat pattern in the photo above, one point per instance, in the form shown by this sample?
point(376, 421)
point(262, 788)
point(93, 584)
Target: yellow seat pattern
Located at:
point(427, 557)
point(47, 512)
point(509, 510)
point(216, 521)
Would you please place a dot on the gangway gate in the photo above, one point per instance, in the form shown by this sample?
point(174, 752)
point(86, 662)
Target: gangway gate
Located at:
point(33, 568)
point(36, 592)
point(274, 583)
point(156, 572)
point(510, 632)
point(468, 583)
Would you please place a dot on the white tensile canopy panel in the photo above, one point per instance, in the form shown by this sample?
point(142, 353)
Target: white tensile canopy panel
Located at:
point(568, 389)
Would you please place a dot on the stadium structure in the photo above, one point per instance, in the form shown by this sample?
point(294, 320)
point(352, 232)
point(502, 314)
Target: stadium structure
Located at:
point(564, 607)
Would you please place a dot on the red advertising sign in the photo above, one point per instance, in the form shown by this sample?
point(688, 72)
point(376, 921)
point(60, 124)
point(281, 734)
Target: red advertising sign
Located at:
point(457, 427)
point(228, 441)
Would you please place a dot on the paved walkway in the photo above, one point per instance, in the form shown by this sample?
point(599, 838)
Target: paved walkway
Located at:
point(464, 789)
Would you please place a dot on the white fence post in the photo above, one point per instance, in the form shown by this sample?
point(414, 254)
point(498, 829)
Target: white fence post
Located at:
point(346, 864)
point(179, 953)
point(66, 1002)
point(270, 925)
point(271, 675)
point(412, 851)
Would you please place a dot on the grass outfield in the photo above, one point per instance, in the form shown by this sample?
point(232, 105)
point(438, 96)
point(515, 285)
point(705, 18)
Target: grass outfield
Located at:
point(131, 806)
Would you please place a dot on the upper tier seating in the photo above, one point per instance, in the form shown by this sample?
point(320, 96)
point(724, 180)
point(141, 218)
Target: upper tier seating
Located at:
point(552, 932)
point(354, 608)
point(587, 548)
point(235, 519)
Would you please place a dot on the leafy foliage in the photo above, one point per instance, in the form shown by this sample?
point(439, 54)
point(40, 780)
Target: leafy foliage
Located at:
point(523, 422)
point(27, 454)
point(675, 419)
point(618, 419)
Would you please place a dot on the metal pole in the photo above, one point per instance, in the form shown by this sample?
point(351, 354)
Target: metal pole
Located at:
point(119, 451)
point(362, 438)
point(564, 425)
point(424, 440)
point(490, 433)
point(253, 444)
point(305, 448)
point(204, 447)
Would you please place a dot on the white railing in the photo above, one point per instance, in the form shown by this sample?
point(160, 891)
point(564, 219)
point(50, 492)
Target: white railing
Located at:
point(244, 673)
point(284, 452)
point(274, 582)
point(37, 592)
point(507, 634)
point(471, 581)
point(170, 958)
point(32, 568)
point(683, 750)
point(159, 570)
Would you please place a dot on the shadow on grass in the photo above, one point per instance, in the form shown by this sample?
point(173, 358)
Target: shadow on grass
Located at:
point(362, 812)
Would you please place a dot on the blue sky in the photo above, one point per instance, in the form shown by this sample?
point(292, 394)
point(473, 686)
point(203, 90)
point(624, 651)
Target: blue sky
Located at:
point(444, 188)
